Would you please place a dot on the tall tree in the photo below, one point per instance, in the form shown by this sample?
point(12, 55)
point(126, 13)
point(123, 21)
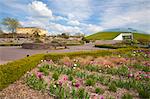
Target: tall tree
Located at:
point(11, 24)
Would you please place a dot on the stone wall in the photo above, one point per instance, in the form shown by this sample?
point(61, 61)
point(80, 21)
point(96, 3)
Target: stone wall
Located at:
point(30, 30)
point(43, 46)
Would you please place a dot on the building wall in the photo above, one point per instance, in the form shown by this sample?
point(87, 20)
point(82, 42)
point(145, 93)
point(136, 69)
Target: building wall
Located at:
point(120, 36)
point(30, 30)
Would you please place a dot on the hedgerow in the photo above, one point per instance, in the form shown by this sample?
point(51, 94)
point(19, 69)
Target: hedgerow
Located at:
point(14, 70)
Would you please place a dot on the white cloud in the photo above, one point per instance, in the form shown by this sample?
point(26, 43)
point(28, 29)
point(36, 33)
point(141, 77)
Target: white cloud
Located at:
point(39, 9)
point(77, 9)
point(126, 13)
point(74, 22)
point(93, 28)
point(62, 28)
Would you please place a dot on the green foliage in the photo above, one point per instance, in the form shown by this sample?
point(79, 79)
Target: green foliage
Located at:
point(70, 77)
point(112, 35)
point(11, 24)
point(107, 46)
point(123, 70)
point(112, 87)
point(92, 68)
point(103, 36)
point(142, 38)
point(36, 83)
point(44, 70)
point(12, 71)
point(10, 44)
point(81, 93)
point(99, 90)
point(127, 96)
point(55, 75)
point(90, 82)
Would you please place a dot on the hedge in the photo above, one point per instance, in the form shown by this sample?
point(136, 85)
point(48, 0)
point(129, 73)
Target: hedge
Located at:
point(10, 44)
point(116, 46)
point(12, 71)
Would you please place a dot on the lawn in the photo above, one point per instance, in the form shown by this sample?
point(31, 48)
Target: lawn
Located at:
point(103, 36)
point(112, 35)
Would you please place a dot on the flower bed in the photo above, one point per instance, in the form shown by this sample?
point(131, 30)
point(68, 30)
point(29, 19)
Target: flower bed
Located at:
point(124, 75)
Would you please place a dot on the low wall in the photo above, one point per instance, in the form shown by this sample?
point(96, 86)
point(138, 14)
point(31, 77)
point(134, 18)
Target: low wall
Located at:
point(101, 42)
point(43, 46)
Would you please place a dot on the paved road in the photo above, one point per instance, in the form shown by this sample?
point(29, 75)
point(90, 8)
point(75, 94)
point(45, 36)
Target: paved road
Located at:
point(14, 52)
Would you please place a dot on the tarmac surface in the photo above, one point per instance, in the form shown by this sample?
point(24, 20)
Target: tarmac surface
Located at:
point(11, 53)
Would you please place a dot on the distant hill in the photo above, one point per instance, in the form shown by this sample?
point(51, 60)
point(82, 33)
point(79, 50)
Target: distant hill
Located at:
point(109, 35)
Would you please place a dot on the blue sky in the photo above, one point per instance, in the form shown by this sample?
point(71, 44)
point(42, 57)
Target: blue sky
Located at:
point(84, 16)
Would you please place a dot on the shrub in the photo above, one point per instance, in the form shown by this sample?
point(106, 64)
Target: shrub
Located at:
point(70, 77)
point(44, 70)
point(81, 93)
point(12, 71)
point(99, 90)
point(127, 96)
point(123, 70)
point(112, 87)
point(55, 75)
point(90, 82)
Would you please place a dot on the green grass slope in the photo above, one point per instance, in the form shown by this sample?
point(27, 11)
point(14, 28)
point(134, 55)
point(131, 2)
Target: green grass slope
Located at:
point(103, 36)
point(138, 36)
point(112, 35)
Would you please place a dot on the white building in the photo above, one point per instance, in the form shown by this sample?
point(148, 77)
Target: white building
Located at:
point(124, 36)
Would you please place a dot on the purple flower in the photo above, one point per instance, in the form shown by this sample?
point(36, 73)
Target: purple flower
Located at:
point(101, 97)
point(77, 84)
point(39, 75)
point(130, 75)
point(60, 82)
point(65, 77)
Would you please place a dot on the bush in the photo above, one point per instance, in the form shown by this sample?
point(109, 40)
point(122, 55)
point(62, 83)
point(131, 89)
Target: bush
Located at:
point(10, 44)
point(55, 75)
point(36, 83)
point(12, 71)
point(81, 93)
point(127, 96)
point(90, 82)
point(70, 77)
point(99, 90)
point(44, 70)
point(112, 87)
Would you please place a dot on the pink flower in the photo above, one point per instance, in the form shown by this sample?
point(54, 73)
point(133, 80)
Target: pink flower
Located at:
point(130, 75)
point(39, 75)
point(77, 84)
point(60, 82)
point(95, 97)
point(101, 97)
point(65, 77)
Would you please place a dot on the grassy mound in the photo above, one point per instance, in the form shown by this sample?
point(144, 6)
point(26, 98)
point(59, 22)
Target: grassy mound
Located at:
point(112, 35)
point(103, 36)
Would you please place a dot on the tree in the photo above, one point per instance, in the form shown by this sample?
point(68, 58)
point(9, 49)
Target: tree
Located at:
point(64, 35)
point(1, 31)
point(11, 24)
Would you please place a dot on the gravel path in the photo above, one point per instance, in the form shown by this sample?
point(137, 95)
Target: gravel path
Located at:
point(19, 90)
point(14, 52)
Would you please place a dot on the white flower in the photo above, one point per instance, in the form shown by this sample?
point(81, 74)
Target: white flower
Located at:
point(54, 86)
point(75, 65)
point(41, 60)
